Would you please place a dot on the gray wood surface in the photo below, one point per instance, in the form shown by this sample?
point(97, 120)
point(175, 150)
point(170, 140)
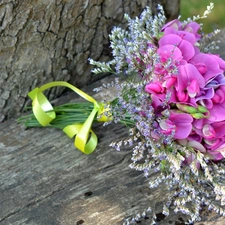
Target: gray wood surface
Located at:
point(44, 180)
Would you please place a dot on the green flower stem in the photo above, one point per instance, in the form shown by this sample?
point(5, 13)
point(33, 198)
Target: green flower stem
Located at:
point(69, 113)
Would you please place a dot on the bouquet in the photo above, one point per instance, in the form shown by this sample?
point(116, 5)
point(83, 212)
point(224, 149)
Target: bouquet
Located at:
point(173, 103)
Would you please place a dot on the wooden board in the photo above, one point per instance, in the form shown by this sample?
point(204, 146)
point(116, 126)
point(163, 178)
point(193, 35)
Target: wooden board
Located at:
point(44, 180)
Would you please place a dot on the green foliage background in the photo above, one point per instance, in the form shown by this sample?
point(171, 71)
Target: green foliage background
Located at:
point(216, 20)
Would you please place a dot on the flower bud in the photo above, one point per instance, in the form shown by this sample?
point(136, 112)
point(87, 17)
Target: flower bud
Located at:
point(186, 108)
point(198, 115)
point(202, 109)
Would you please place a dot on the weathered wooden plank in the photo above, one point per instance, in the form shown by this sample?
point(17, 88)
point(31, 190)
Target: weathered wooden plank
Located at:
point(44, 180)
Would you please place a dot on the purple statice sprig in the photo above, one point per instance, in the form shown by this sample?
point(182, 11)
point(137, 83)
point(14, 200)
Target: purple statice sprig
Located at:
point(188, 188)
point(208, 10)
point(129, 44)
point(206, 44)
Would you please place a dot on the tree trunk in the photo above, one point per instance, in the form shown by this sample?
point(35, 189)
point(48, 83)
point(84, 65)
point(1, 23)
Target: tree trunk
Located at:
point(49, 40)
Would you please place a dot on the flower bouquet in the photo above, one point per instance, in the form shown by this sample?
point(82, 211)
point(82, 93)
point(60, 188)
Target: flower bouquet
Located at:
point(172, 101)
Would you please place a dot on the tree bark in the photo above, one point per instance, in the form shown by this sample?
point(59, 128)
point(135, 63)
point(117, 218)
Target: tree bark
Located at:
point(49, 40)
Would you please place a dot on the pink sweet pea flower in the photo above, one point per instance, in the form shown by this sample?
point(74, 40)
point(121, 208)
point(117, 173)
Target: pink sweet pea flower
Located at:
point(187, 48)
point(155, 87)
point(189, 82)
point(217, 106)
point(167, 52)
point(193, 28)
point(175, 24)
point(207, 65)
point(179, 122)
point(218, 153)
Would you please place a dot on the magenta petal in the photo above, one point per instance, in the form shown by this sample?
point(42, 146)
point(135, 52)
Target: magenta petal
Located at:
point(183, 123)
point(187, 73)
point(175, 24)
point(201, 67)
point(207, 64)
point(219, 128)
point(155, 87)
point(193, 27)
point(169, 52)
point(193, 88)
point(217, 112)
point(170, 39)
point(170, 82)
point(200, 123)
point(218, 96)
point(220, 61)
point(187, 49)
point(156, 102)
point(187, 36)
point(170, 30)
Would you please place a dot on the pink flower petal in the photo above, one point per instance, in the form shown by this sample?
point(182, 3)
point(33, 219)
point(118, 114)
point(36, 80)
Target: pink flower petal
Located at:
point(170, 39)
point(169, 52)
point(197, 146)
point(193, 89)
point(175, 24)
point(183, 123)
point(188, 73)
point(208, 131)
point(187, 49)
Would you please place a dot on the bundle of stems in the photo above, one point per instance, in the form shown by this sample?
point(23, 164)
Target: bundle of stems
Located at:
point(69, 113)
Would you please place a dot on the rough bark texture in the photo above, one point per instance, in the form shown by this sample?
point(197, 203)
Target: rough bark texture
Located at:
point(46, 40)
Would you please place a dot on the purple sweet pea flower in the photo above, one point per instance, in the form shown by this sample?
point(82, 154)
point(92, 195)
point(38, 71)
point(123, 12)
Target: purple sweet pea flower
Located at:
point(212, 97)
point(207, 93)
